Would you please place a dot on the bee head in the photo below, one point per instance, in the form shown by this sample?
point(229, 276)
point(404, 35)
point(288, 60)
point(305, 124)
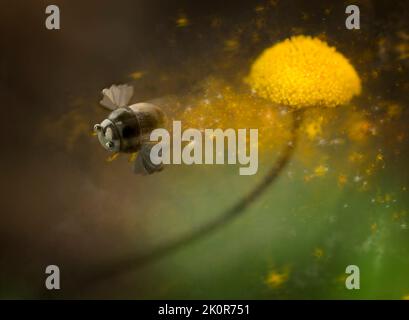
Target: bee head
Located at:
point(120, 132)
point(127, 128)
point(108, 135)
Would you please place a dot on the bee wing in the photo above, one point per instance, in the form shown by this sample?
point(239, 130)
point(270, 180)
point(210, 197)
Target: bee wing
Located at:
point(143, 164)
point(107, 100)
point(116, 96)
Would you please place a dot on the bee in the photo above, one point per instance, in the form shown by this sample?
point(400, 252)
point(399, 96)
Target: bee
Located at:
point(127, 128)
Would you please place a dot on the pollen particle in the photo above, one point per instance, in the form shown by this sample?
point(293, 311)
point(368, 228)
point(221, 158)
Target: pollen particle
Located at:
point(303, 72)
point(137, 75)
point(318, 253)
point(132, 157)
point(112, 157)
point(321, 170)
point(276, 279)
point(342, 180)
point(314, 128)
point(182, 21)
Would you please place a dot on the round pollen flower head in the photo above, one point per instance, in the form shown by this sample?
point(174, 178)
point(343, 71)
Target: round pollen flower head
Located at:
point(303, 72)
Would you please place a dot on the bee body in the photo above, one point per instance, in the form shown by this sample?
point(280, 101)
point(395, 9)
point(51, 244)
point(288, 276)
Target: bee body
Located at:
point(127, 128)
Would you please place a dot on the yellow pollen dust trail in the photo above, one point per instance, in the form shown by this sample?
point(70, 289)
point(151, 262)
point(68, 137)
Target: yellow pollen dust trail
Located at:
point(302, 72)
point(226, 108)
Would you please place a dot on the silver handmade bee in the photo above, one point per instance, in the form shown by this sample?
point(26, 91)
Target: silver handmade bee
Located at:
point(128, 127)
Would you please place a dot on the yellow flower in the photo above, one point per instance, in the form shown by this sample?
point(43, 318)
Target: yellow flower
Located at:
point(304, 72)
